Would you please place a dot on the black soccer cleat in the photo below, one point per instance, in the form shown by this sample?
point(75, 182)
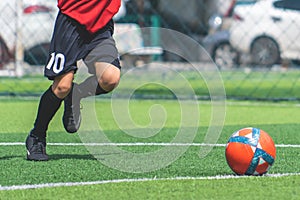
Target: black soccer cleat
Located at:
point(36, 149)
point(72, 117)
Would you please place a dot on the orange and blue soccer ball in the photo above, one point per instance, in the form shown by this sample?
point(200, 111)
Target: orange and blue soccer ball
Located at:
point(250, 151)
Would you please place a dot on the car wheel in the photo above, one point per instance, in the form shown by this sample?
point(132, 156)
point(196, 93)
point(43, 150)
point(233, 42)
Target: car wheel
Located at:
point(4, 53)
point(37, 55)
point(225, 56)
point(265, 51)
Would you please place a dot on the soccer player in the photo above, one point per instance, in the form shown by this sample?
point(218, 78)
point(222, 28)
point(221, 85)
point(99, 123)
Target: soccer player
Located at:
point(83, 30)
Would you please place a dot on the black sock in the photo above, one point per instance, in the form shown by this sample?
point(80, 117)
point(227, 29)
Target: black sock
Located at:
point(89, 87)
point(49, 104)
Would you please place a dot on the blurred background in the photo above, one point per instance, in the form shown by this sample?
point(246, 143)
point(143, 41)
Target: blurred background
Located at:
point(254, 43)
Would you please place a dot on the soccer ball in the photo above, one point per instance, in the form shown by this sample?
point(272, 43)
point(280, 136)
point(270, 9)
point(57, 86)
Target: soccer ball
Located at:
point(250, 151)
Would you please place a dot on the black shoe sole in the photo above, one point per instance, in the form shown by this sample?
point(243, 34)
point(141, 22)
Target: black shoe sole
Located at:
point(37, 159)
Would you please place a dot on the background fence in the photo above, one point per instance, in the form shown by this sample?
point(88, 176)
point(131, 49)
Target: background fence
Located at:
point(26, 28)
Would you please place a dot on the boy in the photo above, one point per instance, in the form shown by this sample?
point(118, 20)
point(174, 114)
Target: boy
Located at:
point(83, 30)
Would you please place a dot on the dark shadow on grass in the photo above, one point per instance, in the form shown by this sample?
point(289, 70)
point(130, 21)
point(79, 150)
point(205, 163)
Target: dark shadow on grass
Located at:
point(71, 156)
point(77, 156)
point(56, 157)
point(11, 157)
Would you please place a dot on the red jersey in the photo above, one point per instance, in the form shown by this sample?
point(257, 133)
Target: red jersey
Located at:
point(93, 14)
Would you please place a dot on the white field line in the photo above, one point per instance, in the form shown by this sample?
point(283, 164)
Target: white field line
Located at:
point(140, 144)
point(68, 184)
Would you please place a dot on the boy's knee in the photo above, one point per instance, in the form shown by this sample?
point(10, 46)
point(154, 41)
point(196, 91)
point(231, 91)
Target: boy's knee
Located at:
point(62, 85)
point(108, 83)
point(109, 78)
point(62, 90)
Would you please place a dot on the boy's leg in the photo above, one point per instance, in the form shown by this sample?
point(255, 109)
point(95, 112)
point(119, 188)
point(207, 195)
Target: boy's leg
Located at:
point(48, 106)
point(108, 76)
point(103, 63)
point(106, 79)
point(36, 140)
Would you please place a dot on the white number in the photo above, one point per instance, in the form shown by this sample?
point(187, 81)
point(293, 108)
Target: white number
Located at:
point(57, 62)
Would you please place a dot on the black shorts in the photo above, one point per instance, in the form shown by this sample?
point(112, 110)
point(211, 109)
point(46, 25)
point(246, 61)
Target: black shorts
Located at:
point(71, 43)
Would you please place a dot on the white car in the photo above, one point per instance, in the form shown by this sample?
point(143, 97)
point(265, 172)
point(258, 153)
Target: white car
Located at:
point(29, 22)
point(268, 31)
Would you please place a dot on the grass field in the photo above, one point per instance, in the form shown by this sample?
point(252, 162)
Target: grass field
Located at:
point(73, 173)
point(260, 84)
